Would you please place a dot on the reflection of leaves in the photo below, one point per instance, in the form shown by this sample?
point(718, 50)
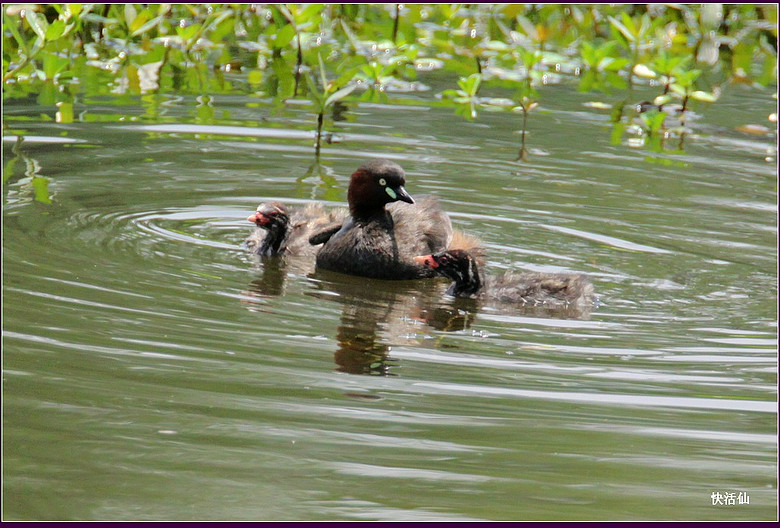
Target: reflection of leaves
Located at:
point(40, 187)
point(53, 64)
point(9, 169)
point(324, 174)
point(466, 99)
point(38, 183)
point(64, 112)
point(284, 77)
point(653, 121)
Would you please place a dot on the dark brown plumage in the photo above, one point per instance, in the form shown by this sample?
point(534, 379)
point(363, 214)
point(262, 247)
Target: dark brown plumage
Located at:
point(381, 242)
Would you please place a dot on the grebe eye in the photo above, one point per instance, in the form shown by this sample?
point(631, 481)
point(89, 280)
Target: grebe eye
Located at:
point(382, 182)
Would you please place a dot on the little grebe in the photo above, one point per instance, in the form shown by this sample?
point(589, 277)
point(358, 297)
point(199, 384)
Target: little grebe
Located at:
point(547, 290)
point(378, 242)
point(281, 233)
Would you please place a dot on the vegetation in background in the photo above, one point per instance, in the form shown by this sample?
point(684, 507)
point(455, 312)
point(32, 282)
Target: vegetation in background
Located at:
point(66, 53)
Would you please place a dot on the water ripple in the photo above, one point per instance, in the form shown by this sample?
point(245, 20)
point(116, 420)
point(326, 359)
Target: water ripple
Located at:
point(605, 399)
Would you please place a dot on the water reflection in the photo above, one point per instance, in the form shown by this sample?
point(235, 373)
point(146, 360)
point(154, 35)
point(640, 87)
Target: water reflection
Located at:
point(121, 321)
point(273, 274)
point(377, 314)
point(374, 315)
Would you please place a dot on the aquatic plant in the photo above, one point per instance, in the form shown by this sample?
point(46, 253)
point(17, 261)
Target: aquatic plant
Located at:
point(58, 51)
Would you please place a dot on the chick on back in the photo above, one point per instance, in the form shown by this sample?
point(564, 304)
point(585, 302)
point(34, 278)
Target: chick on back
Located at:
point(282, 234)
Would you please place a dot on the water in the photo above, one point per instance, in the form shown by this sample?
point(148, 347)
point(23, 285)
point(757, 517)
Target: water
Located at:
point(152, 370)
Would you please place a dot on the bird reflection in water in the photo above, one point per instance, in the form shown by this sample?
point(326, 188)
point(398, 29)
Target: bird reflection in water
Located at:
point(270, 283)
point(377, 315)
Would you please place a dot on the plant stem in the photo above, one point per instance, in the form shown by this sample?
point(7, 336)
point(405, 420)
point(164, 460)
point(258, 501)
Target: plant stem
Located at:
point(522, 156)
point(634, 57)
point(395, 21)
point(319, 134)
point(10, 74)
point(685, 105)
point(298, 64)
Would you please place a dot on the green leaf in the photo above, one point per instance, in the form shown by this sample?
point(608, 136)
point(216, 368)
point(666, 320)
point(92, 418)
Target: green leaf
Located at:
point(187, 33)
point(11, 24)
point(323, 74)
point(55, 30)
point(588, 53)
point(284, 36)
point(347, 75)
point(612, 64)
point(742, 58)
point(73, 9)
point(222, 28)
point(470, 84)
point(146, 26)
point(284, 76)
point(687, 78)
point(37, 46)
point(141, 19)
point(622, 28)
point(340, 94)
point(629, 23)
point(528, 27)
point(644, 27)
point(452, 94)
point(768, 70)
point(315, 95)
point(616, 80)
point(130, 14)
point(310, 12)
point(37, 23)
point(220, 18)
point(704, 96)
